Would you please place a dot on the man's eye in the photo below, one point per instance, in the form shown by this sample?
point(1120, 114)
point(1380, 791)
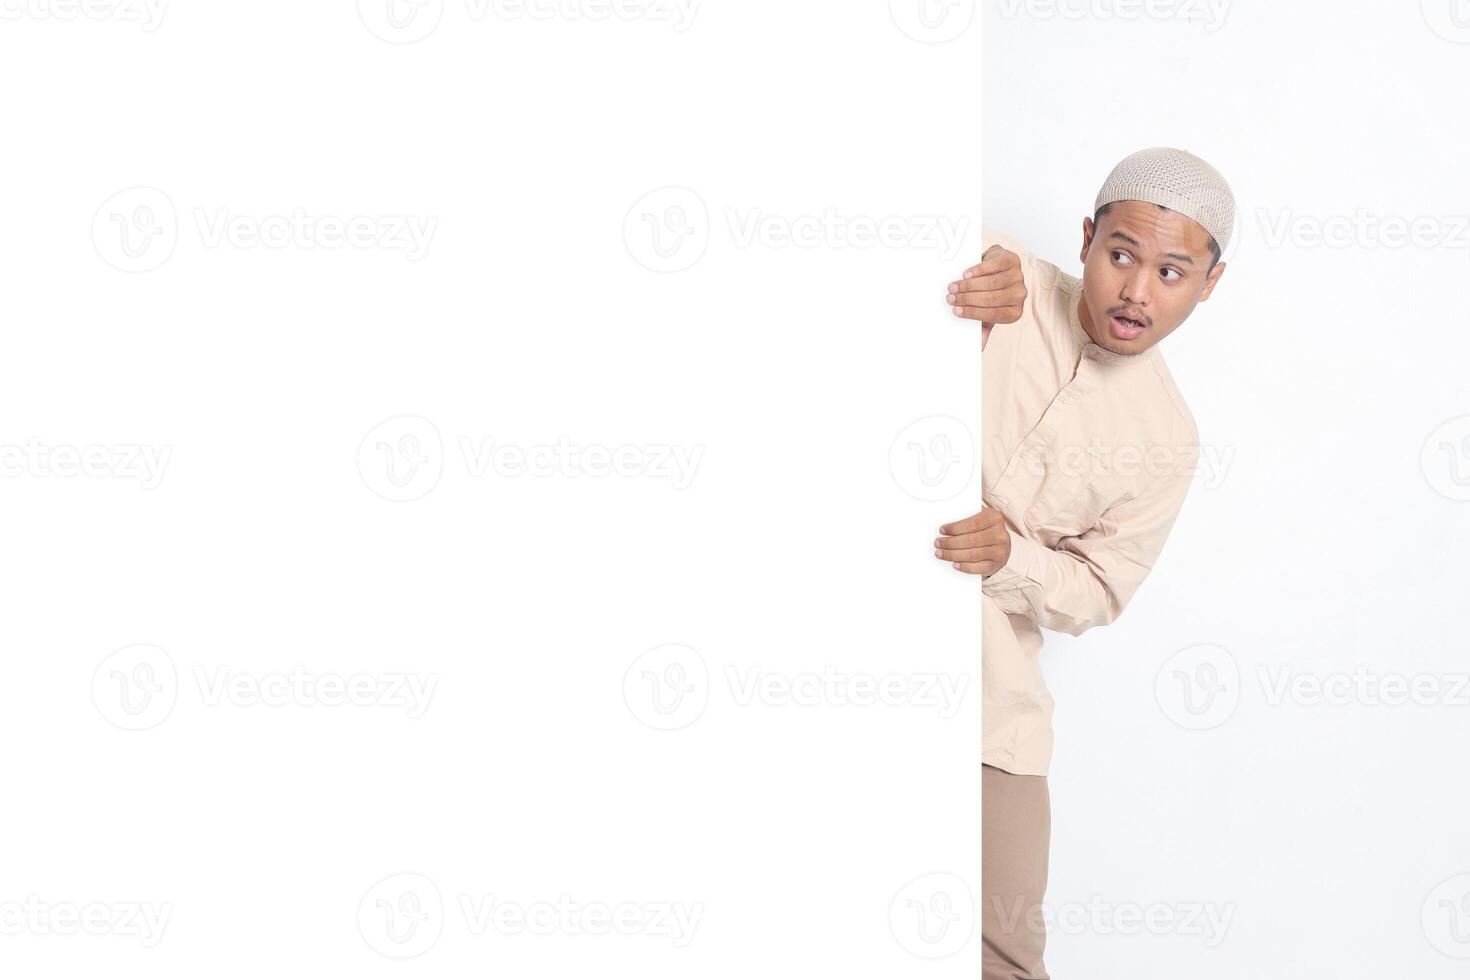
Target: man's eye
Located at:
point(1172, 272)
point(1121, 257)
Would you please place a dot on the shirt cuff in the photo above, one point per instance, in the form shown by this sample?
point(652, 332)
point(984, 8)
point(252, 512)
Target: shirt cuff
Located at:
point(1022, 568)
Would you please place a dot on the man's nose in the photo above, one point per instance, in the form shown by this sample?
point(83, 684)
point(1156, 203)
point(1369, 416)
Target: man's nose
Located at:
point(1136, 288)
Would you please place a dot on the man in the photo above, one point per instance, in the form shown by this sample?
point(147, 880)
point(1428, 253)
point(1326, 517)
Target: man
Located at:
point(1088, 453)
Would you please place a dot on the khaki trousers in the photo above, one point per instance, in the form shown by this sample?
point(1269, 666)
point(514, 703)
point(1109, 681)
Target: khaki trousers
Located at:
point(1015, 837)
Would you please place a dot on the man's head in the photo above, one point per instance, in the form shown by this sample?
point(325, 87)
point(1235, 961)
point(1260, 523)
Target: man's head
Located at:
point(1151, 250)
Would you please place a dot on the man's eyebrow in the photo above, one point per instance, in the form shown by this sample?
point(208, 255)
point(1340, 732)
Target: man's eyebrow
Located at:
point(1176, 256)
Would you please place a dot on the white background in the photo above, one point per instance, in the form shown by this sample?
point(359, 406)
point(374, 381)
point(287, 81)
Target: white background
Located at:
point(263, 827)
point(1327, 831)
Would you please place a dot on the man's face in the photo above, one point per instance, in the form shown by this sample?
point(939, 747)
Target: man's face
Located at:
point(1145, 264)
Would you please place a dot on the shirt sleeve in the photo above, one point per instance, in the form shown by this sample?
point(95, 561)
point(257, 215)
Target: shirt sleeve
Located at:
point(991, 237)
point(1088, 580)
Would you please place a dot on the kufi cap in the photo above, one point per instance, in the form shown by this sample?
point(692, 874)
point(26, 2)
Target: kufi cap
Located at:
point(1178, 180)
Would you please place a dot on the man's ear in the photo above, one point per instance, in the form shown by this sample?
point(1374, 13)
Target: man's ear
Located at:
point(1210, 280)
point(1087, 231)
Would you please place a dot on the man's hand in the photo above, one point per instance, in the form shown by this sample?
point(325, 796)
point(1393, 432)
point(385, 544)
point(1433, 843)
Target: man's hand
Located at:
point(978, 545)
point(992, 292)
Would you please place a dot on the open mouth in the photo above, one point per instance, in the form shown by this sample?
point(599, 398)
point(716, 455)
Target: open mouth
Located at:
point(1126, 329)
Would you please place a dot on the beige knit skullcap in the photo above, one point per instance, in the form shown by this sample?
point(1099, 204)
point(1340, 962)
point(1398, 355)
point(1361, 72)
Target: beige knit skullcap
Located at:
point(1178, 180)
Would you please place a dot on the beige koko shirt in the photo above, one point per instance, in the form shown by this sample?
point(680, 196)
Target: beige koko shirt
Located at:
point(1089, 455)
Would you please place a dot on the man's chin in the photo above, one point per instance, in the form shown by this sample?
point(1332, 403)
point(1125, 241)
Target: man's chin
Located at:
point(1120, 347)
